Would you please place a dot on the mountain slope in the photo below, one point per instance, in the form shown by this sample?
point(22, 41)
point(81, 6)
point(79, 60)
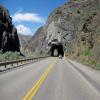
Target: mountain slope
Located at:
point(36, 42)
point(23, 39)
point(77, 25)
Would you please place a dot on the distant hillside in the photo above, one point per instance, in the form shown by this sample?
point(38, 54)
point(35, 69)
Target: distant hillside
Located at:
point(23, 39)
point(35, 44)
point(77, 25)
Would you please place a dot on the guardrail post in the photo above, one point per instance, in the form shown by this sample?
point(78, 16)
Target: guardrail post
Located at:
point(17, 63)
point(12, 64)
point(5, 66)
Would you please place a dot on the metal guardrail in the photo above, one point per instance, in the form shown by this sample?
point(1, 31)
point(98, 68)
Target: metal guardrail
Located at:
point(20, 62)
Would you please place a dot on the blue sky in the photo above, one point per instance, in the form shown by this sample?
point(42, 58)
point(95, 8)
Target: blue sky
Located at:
point(28, 15)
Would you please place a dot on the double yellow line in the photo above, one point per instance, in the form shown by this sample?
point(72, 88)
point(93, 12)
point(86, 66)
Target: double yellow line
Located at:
point(38, 84)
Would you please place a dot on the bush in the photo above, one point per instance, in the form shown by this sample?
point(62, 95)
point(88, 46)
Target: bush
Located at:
point(78, 11)
point(58, 12)
point(86, 52)
point(98, 66)
point(8, 56)
point(94, 62)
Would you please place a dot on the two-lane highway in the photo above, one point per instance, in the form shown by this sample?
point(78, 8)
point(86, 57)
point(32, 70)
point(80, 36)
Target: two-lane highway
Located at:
point(48, 79)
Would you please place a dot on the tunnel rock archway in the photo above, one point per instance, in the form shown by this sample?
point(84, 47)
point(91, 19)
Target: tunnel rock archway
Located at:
point(59, 48)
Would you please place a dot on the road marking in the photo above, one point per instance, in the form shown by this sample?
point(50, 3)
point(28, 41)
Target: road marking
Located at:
point(38, 84)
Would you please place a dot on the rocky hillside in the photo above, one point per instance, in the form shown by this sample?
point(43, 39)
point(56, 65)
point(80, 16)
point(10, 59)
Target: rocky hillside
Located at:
point(77, 25)
point(23, 40)
point(35, 44)
point(9, 40)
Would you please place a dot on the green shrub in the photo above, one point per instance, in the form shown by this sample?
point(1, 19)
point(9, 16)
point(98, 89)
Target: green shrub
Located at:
point(86, 52)
point(8, 56)
point(94, 62)
point(58, 12)
point(98, 66)
point(78, 11)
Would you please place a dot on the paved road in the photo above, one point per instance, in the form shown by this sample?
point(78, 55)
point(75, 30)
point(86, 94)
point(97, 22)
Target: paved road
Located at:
point(48, 79)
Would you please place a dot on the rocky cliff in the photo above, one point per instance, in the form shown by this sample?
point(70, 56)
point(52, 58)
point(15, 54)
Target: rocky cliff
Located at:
point(77, 25)
point(9, 40)
point(35, 44)
point(23, 40)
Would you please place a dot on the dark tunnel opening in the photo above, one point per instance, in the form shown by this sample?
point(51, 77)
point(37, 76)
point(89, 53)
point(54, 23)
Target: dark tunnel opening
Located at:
point(58, 48)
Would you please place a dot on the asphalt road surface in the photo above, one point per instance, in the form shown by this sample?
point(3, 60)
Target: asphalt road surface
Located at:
point(48, 79)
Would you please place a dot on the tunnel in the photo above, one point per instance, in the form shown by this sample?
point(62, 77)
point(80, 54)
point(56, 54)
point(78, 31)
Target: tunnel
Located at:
point(58, 48)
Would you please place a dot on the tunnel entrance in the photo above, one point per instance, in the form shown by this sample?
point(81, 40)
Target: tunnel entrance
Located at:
point(56, 50)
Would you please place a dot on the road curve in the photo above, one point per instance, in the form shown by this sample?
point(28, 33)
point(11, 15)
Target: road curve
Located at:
point(60, 82)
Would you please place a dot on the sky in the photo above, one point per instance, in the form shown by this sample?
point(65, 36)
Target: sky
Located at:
point(29, 15)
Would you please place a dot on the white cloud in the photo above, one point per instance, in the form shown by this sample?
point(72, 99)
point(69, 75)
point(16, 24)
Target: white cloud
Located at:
point(21, 29)
point(31, 17)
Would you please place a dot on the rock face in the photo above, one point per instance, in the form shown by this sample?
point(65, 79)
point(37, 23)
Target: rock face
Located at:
point(9, 40)
point(35, 44)
point(23, 40)
point(76, 25)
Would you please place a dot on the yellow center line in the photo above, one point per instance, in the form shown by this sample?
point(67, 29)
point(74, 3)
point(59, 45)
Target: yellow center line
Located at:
point(38, 84)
